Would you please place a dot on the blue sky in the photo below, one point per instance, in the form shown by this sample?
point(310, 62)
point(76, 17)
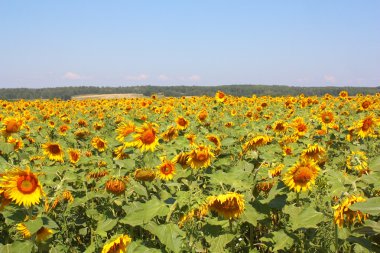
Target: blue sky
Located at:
point(117, 43)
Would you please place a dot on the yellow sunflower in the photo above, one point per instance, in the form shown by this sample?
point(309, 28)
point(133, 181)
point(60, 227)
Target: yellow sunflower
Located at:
point(74, 155)
point(166, 170)
point(357, 160)
point(367, 126)
point(256, 141)
point(118, 245)
point(343, 214)
point(43, 234)
point(280, 126)
point(182, 123)
point(314, 152)
point(202, 115)
point(23, 230)
point(144, 175)
point(200, 157)
point(170, 134)
point(18, 143)
point(181, 159)
point(302, 175)
point(99, 144)
point(214, 139)
point(124, 130)
point(327, 119)
point(220, 97)
point(230, 205)
point(146, 137)
point(12, 125)
point(54, 151)
point(22, 187)
point(115, 186)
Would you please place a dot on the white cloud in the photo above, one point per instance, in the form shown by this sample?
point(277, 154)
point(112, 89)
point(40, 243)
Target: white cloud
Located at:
point(329, 78)
point(72, 76)
point(194, 78)
point(163, 77)
point(140, 77)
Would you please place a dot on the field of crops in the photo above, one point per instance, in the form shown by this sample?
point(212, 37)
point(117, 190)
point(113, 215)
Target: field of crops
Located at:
point(191, 174)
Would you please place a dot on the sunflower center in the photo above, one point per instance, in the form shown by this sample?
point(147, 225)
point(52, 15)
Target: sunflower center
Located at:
point(54, 149)
point(366, 104)
point(166, 169)
point(327, 118)
point(301, 128)
point(26, 184)
point(303, 175)
point(148, 136)
point(12, 126)
point(100, 144)
point(74, 156)
point(367, 123)
point(182, 122)
point(202, 156)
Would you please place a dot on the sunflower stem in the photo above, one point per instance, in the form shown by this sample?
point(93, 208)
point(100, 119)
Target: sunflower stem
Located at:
point(230, 221)
point(336, 238)
point(298, 199)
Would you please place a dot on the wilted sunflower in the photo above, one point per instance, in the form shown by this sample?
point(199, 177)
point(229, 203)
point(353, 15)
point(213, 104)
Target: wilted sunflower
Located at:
point(230, 205)
point(146, 137)
point(21, 186)
point(214, 139)
point(115, 186)
point(18, 143)
point(99, 144)
point(302, 175)
point(199, 213)
point(357, 160)
point(54, 151)
point(280, 126)
point(124, 130)
point(170, 134)
point(182, 123)
point(366, 127)
point(256, 141)
point(181, 159)
point(166, 170)
point(200, 157)
point(144, 175)
point(118, 245)
point(74, 155)
point(343, 214)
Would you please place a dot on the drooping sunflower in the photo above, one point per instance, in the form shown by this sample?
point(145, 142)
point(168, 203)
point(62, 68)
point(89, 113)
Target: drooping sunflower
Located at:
point(256, 141)
point(43, 234)
point(230, 205)
point(144, 175)
point(74, 155)
point(181, 159)
point(182, 123)
point(54, 151)
point(166, 170)
point(302, 175)
point(118, 245)
point(99, 144)
point(276, 171)
point(116, 186)
point(367, 126)
point(170, 134)
point(124, 130)
point(280, 126)
point(358, 161)
point(200, 157)
point(18, 143)
point(343, 214)
point(23, 230)
point(146, 137)
point(214, 139)
point(22, 187)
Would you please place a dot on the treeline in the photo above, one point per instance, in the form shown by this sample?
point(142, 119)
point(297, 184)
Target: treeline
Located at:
point(178, 91)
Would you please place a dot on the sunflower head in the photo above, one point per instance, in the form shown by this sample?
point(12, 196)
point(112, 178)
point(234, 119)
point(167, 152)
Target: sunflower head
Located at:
point(166, 170)
point(54, 151)
point(115, 186)
point(202, 115)
point(12, 125)
point(182, 123)
point(170, 134)
point(99, 144)
point(124, 130)
point(344, 215)
point(315, 152)
point(200, 157)
point(230, 205)
point(220, 97)
point(146, 137)
point(302, 175)
point(144, 175)
point(118, 245)
point(74, 155)
point(22, 187)
point(357, 161)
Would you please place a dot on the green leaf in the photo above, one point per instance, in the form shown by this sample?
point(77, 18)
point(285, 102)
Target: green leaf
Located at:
point(17, 247)
point(218, 244)
point(169, 234)
point(6, 148)
point(142, 213)
point(105, 225)
point(301, 217)
point(282, 240)
point(371, 206)
point(34, 225)
point(250, 215)
point(137, 247)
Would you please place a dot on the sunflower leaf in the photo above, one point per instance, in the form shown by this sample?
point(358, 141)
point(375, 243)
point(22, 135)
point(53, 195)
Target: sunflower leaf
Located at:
point(169, 234)
point(218, 244)
point(34, 225)
point(17, 247)
point(371, 206)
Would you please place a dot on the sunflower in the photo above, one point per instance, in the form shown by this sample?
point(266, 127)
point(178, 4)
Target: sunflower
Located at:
point(202, 115)
point(43, 234)
point(280, 126)
point(144, 175)
point(343, 214)
point(21, 186)
point(23, 230)
point(99, 144)
point(276, 171)
point(199, 213)
point(146, 137)
point(12, 125)
point(256, 141)
point(54, 151)
point(200, 157)
point(62, 130)
point(327, 119)
point(115, 186)
point(74, 155)
point(191, 138)
point(181, 159)
point(299, 126)
point(357, 160)
point(166, 170)
point(343, 94)
point(119, 152)
point(124, 130)
point(182, 123)
point(366, 127)
point(302, 175)
point(314, 152)
point(18, 143)
point(214, 139)
point(118, 245)
point(230, 205)
point(170, 134)
point(220, 97)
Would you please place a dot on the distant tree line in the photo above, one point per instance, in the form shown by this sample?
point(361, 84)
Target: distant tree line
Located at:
point(67, 93)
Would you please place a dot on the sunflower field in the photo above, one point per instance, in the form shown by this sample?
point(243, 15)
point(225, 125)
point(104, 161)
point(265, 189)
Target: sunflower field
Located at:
point(191, 174)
